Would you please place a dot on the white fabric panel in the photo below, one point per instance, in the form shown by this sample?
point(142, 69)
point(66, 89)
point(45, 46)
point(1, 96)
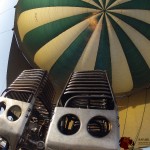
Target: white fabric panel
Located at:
point(121, 76)
point(117, 2)
point(87, 61)
point(143, 15)
point(140, 41)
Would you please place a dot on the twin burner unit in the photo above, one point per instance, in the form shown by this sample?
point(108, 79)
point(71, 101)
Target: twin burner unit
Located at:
point(88, 90)
point(85, 116)
point(25, 119)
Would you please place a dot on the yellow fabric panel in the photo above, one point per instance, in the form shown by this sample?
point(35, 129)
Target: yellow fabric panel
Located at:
point(87, 62)
point(123, 108)
point(144, 135)
point(54, 49)
point(121, 76)
point(30, 19)
point(140, 41)
point(131, 113)
point(101, 2)
point(107, 1)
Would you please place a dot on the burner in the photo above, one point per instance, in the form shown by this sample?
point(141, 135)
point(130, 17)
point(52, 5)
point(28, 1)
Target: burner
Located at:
point(99, 126)
point(69, 124)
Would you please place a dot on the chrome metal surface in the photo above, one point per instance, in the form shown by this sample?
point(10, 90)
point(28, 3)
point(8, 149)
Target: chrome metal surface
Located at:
point(12, 130)
point(82, 140)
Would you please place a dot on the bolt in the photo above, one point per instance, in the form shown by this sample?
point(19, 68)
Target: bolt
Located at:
point(40, 145)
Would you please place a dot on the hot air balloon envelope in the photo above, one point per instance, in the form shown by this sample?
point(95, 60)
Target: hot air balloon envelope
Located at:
point(63, 36)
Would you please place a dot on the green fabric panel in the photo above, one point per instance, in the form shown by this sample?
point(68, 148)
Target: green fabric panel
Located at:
point(38, 37)
point(104, 2)
point(65, 65)
point(134, 4)
point(24, 5)
point(97, 2)
point(110, 2)
point(103, 60)
point(139, 69)
point(140, 26)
